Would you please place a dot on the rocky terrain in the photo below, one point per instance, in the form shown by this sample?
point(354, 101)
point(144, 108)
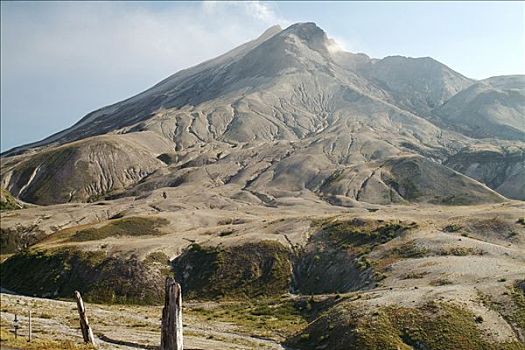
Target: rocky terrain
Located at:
point(303, 196)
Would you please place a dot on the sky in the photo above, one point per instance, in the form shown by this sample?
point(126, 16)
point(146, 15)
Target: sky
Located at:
point(62, 60)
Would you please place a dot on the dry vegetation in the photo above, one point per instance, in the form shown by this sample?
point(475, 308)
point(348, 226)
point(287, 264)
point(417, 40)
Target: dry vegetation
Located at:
point(350, 274)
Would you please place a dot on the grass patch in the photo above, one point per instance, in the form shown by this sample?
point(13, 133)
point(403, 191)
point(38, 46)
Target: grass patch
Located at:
point(100, 278)
point(253, 269)
point(511, 307)
point(455, 199)
point(157, 257)
point(134, 226)
point(360, 233)
point(7, 201)
point(226, 233)
point(440, 282)
point(336, 257)
point(490, 228)
point(409, 250)
point(231, 221)
point(517, 294)
point(167, 158)
point(414, 275)
point(452, 228)
point(15, 239)
point(7, 339)
point(266, 317)
point(435, 326)
point(461, 251)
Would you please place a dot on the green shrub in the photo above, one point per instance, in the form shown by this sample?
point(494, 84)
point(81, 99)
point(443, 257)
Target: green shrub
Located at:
point(157, 257)
point(410, 250)
point(461, 251)
point(440, 282)
point(253, 269)
point(7, 201)
point(100, 278)
point(452, 228)
point(134, 226)
point(434, 326)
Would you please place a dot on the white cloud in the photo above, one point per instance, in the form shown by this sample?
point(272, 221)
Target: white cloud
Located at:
point(120, 37)
point(264, 12)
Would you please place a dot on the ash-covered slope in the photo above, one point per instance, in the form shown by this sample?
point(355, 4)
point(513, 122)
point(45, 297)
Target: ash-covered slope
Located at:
point(83, 170)
point(500, 166)
point(493, 107)
point(288, 114)
point(417, 84)
point(296, 67)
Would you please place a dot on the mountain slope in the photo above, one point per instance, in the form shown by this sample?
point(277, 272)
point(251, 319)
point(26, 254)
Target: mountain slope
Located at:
point(84, 170)
point(296, 65)
point(278, 117)
point(418, 84)
point(493, 107)
point(502, 168)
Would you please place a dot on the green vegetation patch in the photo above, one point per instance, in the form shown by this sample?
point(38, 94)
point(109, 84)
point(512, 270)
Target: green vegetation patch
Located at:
point(518, 297)
point(168, 158)
point(276, 318)
point(15, 239)
point(7, 201)
point(452, 228)
point(360, 233)
point(100, 278)
point(335, 259)
point(157, 257)
point(434, 326)
point(516, 313)
point(414, 275)
point(409, 250)
point(251, 270)
point(455, 199)
point(492, 228)
point(461, 251)
point(510, 305)
point(440, 282)
point(486, 228)
point(8, 340)
point(133, 226)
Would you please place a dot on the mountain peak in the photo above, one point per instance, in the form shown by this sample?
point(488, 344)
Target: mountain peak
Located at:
point(316, 113)
point(309, 33)
point(302, 28)
point(268, 33)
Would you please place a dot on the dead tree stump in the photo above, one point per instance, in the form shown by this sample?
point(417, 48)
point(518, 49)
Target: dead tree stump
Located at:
point(87, 332)
point(171, 332)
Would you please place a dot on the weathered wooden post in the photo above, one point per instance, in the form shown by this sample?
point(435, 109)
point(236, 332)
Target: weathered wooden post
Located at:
point(171, 332)
point(87, 332)
point(16, 325)
point(30, 326)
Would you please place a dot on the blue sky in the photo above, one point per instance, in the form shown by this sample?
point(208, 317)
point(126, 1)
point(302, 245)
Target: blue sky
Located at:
point(61, 60)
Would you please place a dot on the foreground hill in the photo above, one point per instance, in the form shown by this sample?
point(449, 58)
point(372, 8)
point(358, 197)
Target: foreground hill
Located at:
point(300, 274)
